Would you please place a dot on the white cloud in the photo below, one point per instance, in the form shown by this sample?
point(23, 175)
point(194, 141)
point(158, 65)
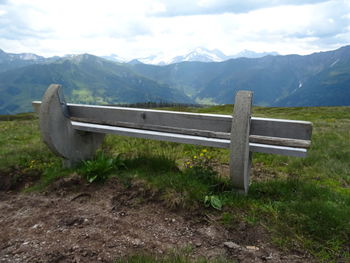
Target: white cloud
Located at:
point(138, 28)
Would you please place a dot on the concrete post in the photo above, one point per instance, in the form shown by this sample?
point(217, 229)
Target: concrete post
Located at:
point(57, 132)
point(240, 157)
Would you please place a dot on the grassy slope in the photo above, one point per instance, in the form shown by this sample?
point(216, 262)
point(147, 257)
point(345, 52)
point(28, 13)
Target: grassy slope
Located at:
point(302, 202)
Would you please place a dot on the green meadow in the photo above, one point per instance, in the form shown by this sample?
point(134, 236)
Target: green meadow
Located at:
point(301, 202)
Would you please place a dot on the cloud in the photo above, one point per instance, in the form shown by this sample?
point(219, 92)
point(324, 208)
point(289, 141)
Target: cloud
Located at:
point(136, 28)
point(203, 7)
point(327, 26)
point(16, 23)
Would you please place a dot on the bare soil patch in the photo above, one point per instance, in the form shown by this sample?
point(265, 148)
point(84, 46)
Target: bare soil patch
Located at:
point(76, 222)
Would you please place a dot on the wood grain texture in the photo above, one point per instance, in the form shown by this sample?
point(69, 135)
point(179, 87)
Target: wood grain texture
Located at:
point(280, 141)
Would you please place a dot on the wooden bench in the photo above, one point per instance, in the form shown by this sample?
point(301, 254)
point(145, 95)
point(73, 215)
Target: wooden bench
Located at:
point(75, 131)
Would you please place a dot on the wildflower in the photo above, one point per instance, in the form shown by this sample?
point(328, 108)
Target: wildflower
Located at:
point(195, 157)
point(191, 166)
point(201, 154)
point(204, 150)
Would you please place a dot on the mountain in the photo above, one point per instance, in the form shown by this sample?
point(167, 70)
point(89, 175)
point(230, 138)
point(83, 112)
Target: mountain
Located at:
point(134, 62)
point(252, 54)
point(215, 55)
point(10, 61)
point(85, 79)
point(159, 59)
point(200, 54)
point(319, 79)
point(115, 58)
point(328, 86)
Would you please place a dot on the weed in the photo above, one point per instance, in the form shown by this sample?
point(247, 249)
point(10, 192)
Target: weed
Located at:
point(98, 169)
point(213, 201)
point(201, 165)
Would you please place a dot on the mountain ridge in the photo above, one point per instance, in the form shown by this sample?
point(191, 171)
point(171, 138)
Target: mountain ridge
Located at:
point(85, 79)
point(318, 79)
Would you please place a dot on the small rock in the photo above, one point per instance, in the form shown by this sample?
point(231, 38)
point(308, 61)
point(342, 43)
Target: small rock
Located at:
point(137, 242)
point(232, 245)
point(198, 243)
point(269, 257)
point(173, 220)
point(210, 232)
point(76, 247)
point(252, 248)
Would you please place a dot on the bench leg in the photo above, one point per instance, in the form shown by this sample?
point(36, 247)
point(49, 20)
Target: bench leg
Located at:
point(58, 133)
point(240, 157)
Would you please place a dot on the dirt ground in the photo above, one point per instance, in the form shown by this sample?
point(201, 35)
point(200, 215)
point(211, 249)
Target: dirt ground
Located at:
point(76, 222)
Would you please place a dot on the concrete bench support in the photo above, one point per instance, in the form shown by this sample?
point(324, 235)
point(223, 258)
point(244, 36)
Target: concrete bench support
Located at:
point(240, 156)
point(59, 135)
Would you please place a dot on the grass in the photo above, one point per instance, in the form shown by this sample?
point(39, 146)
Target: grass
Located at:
point(303, 202)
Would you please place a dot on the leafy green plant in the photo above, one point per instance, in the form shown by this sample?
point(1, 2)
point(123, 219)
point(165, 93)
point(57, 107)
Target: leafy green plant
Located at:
point(213, 201)
point(101, 167)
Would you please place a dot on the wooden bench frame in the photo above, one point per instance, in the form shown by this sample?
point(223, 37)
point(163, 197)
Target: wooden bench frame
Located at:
point(75, 131)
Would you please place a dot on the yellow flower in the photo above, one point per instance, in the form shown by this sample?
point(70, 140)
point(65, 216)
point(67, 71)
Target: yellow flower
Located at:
point(195, 157)
point(191, 166)
point(201, 154)
point(204, 150)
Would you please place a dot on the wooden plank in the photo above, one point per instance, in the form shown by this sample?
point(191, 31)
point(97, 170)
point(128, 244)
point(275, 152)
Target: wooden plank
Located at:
point(154, 135)
point(300, 130)
point(280, 141)
point(280, 150)
point(197, 140)
point(240, 157)
point(204, 133)
point(184, 120)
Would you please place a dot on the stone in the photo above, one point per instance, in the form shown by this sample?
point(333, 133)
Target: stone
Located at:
point(232, 245)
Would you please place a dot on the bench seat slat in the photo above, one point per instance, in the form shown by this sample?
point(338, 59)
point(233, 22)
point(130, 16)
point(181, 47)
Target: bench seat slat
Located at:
point(154, 135)
point(181, 138)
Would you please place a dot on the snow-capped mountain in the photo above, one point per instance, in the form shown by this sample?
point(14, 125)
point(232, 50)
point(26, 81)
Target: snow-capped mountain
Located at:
point(202, 55)
point(10, 61)
point(197, 54)
point(22, 56)
point(252, 54)
point(158, 59)
point(115, 58)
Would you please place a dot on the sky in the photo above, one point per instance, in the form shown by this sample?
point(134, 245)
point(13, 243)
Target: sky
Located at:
point(139, 28)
